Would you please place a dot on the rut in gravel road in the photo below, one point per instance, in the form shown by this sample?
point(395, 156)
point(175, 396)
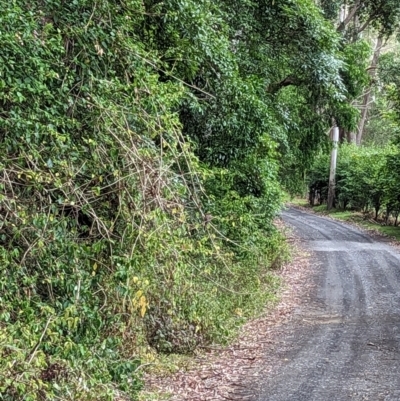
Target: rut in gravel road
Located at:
point(345, 343)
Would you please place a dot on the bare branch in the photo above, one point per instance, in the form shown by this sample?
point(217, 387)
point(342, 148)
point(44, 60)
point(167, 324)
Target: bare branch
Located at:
point(353, 11)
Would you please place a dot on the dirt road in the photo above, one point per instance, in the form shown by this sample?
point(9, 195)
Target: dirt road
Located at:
point(344, 344)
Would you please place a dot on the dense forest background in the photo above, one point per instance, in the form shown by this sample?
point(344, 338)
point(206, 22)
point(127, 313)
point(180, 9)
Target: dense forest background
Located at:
point(145, 149)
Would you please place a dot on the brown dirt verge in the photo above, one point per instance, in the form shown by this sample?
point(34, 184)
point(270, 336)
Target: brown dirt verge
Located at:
point(232, 373)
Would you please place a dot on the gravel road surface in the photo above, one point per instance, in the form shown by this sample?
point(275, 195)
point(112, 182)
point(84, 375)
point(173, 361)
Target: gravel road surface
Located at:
point(344, 343)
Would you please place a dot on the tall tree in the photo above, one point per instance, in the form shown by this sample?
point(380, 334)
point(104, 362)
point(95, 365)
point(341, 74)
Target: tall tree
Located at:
point(365, 105)
point(353, 19)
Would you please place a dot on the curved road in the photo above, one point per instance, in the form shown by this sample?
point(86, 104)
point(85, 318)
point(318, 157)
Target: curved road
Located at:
point(344, 344)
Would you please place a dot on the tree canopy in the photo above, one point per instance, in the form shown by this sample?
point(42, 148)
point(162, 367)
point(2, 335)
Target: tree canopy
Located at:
point(145, 146)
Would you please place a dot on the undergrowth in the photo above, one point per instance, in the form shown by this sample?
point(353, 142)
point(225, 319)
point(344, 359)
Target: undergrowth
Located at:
point(115, 239)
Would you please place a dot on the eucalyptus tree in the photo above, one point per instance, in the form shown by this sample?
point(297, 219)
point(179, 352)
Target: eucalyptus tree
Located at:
point(289, 51)
point(382, 126)
point(355, 20)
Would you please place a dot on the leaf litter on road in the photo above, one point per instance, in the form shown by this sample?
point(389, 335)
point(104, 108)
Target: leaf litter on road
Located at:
point(233, 372)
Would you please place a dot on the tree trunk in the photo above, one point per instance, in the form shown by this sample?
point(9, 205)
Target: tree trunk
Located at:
point(332, 174)
point(367, 95)
point(351, 137)
point(346, 19)
point(342, 135)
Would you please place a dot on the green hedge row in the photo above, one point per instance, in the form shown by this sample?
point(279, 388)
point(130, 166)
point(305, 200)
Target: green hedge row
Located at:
point(367, 179)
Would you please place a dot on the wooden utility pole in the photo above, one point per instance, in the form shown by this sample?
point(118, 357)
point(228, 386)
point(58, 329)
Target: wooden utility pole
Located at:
point(332, 174)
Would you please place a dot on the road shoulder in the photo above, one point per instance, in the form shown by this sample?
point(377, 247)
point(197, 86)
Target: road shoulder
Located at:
point(235, 372)
point(380, 232)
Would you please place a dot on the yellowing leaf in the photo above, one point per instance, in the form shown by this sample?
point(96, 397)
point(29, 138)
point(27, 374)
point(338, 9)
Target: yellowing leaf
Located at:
point(143, 305)
point(238, 312)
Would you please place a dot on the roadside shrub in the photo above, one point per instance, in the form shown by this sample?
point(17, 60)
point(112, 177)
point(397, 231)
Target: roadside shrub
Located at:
point(114, 236)
point(366, 180)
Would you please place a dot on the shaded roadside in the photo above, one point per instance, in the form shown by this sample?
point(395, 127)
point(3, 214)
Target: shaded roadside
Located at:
point(237, 372)
point(365, 222)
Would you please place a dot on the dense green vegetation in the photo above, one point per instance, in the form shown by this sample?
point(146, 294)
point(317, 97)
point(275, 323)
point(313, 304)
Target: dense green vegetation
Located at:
point(368, 176)
point(144, 149)
point(367, 180)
